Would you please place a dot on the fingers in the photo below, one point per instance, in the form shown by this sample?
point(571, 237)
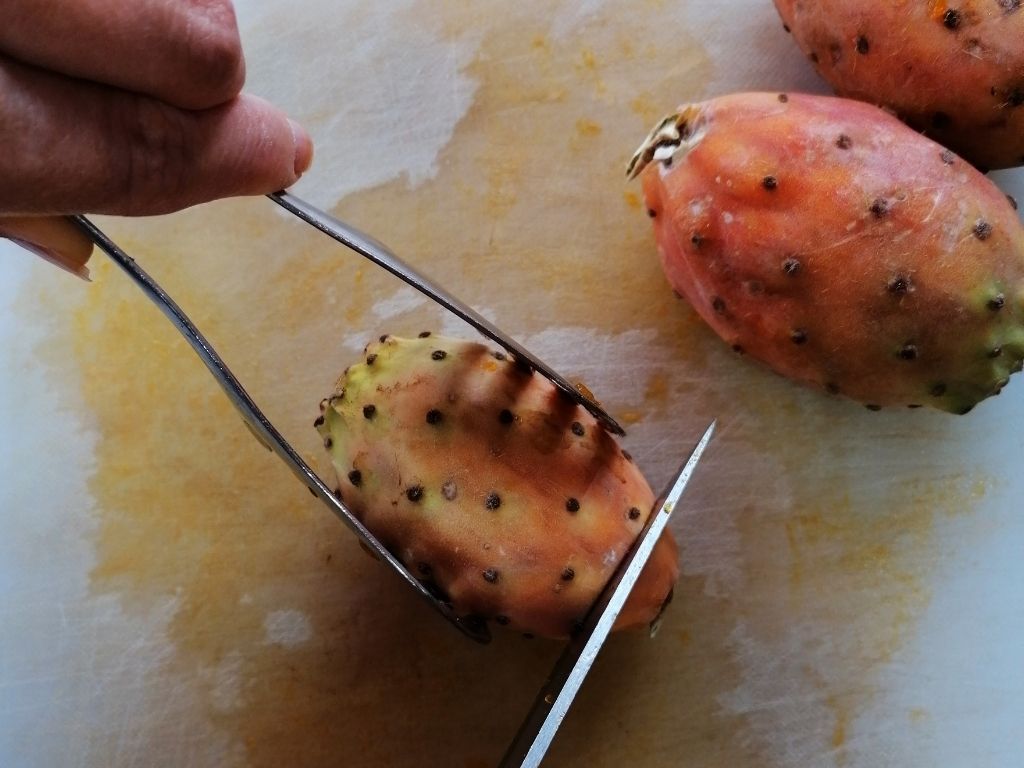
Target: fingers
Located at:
point(183, 52)
point(72, 147)
point(54, 238)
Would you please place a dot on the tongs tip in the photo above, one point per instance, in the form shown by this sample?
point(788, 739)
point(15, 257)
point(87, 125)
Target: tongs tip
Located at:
point(382, 256)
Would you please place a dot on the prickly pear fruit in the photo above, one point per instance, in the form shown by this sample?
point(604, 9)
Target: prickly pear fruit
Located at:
point(827, 239)
point(489, 484)
point(954, 70)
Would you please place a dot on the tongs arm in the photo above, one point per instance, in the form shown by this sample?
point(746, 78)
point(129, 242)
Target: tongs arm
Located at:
point(382, 256)
point(262, 429)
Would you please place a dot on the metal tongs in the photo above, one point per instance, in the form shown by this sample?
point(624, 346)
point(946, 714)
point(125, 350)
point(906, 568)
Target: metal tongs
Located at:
point(539, 729)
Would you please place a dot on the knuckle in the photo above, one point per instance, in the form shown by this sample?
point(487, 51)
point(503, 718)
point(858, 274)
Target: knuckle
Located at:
point(215, 52)
point(151, 168)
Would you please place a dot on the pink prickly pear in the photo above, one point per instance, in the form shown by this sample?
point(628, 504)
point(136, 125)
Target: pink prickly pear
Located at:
point(827, 239)
point(954, 70)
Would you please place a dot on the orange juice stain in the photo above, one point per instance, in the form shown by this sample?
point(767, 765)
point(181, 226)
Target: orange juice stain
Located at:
point(840, 730)
point(588, 59)
point(649, 109)
point(657, 392)
point(631, 417)
point(918, 715)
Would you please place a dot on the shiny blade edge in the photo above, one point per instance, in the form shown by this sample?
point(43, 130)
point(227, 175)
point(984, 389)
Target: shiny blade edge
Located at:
point(556, 696)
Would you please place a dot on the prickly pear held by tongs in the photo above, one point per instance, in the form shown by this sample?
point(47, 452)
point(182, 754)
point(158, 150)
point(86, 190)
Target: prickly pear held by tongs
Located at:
point(488, 482)
point(492, 486)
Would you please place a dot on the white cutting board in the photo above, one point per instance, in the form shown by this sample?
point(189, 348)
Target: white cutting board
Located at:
point(853, 588)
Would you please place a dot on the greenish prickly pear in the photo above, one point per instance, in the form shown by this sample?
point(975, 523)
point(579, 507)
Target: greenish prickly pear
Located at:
point(489, 484)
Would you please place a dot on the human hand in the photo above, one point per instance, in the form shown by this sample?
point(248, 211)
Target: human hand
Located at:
point(129, 108)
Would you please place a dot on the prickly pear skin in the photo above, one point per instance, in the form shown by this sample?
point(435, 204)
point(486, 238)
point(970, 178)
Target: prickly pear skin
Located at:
point(952, 70)
point(830, 241)
point(490, 485)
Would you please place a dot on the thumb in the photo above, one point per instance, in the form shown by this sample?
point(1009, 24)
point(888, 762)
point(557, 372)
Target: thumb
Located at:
point(73, 147)
point(54, 238)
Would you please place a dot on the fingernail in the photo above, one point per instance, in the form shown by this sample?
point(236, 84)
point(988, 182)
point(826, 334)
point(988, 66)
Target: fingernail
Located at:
point(303, 148)
point(55, 258)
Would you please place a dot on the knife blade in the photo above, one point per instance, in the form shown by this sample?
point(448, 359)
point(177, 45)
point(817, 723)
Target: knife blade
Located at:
point(557, 694)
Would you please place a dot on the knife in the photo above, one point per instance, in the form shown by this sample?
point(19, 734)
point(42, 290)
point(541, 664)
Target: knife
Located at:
point(556, 696)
